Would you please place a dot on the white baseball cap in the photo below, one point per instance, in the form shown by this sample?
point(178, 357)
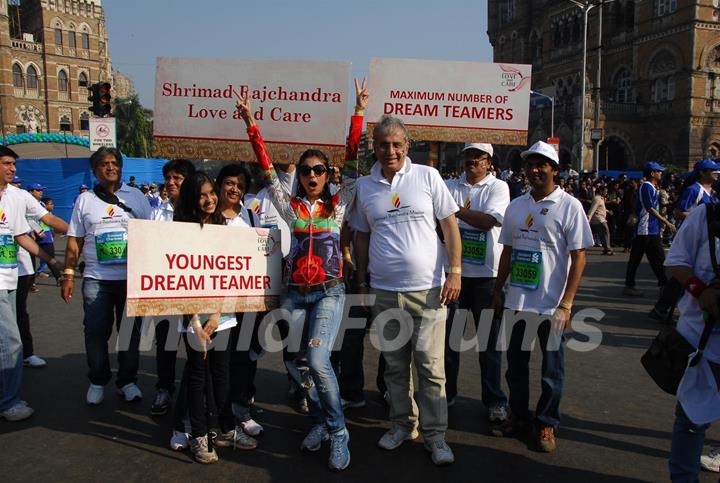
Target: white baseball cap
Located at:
point(543, 149)
point(484, 147)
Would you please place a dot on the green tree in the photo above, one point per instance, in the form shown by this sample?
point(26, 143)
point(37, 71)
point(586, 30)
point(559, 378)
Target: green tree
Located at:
point(134, 127)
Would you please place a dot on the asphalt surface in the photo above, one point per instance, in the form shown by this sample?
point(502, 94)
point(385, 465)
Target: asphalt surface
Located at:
point(616, 424)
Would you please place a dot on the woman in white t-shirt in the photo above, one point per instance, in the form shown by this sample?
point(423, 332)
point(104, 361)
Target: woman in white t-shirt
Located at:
point(232, 182)
point(207, 367)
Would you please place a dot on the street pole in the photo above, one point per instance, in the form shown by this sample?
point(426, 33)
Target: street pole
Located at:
point(586, 10)
point(596, 147)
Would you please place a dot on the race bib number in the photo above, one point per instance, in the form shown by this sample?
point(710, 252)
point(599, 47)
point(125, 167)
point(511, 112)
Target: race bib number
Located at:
point(111, 246)
point(526, 269)
point(474, 246)
point(8, 252)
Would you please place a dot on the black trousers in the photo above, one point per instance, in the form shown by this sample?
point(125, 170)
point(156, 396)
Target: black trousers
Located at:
point(165, 357)
point(243, 369)
point(208, 381)
point(23, 318)
point(651, 246)
point(351, 375)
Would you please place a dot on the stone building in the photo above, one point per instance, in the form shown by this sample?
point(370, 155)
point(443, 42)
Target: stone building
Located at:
point(50, 52)
point(659, 89)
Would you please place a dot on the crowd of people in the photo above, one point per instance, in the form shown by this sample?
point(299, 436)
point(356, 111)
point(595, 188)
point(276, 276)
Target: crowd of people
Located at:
point(419, 246)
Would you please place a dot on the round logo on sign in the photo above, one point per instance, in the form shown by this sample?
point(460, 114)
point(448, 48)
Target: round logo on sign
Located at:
point(102, 131)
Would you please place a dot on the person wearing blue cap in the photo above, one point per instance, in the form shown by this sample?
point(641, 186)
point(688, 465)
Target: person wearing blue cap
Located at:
point(647, 232)
point(697, 188)
point(17, 182)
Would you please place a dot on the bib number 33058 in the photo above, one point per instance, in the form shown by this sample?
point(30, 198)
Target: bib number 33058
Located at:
point(111, 247)
point(526, 269)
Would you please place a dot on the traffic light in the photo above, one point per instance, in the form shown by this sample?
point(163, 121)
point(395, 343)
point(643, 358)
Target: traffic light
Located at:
point(100, 98)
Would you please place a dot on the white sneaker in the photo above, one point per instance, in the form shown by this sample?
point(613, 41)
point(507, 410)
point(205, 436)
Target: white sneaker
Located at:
point(34, 361)
point(711, 462)
point(497, 414)
point(396, 436)
point(95, 394)
point(179, 441)
point(441, 452)
point(130, 392)
point(18, 412)
point(252, 428)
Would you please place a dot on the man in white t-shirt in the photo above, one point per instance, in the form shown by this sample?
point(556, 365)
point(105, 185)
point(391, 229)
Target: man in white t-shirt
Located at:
point(397, 206)
point(34, 214)
point(483, 200)
point(13, 232)
point(98, 228)
point(545, 233)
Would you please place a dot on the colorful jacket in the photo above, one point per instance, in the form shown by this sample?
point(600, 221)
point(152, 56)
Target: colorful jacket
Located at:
point(315, 253)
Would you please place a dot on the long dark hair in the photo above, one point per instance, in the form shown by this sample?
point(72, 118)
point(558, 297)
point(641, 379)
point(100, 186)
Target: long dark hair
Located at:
point(234, 170)
point(188, 208)
point(325, 196)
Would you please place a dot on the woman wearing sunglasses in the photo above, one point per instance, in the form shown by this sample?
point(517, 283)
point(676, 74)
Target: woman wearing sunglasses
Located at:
point(314, 273)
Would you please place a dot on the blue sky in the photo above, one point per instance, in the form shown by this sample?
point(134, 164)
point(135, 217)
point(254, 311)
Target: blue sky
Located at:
point(140, 31)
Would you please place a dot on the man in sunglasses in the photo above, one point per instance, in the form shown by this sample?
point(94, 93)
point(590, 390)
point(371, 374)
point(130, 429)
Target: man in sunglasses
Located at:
point(482, 199)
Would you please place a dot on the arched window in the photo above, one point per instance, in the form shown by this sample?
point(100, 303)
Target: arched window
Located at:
point(58, 37)
point(17, 74)
point(63, 84)
point(32, 77)
point(83, 79)
point(84, 121)
point(576, 30)
point(65, 123)
point(662, 77)
point(623, 87)
point(85, 38)
point(72, 41)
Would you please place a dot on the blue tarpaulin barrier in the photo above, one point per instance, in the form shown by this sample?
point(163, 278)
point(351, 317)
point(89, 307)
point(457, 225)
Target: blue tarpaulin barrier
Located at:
point(62, 177)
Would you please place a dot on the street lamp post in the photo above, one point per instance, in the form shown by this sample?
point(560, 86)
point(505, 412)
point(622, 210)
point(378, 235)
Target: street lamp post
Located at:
point(586, 6)
point(552, 110)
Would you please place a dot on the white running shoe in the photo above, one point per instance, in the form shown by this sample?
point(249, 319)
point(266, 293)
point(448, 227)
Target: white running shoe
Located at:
point(497, 414)
point(19, 411)
point(711, 462)
point(95, 394)
point(130, 392)
point(179, 441)
point(34, 362)
point(397, 436)
point(252, 428)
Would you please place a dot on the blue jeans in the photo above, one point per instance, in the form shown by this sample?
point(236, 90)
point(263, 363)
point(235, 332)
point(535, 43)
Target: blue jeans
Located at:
point(547, 412)
point(11, 352)
point(311, 369)
point(104, 304)
point(687, 445)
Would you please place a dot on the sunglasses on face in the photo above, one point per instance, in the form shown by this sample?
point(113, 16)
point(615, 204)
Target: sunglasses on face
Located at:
point(475, 161)
point(318, 169)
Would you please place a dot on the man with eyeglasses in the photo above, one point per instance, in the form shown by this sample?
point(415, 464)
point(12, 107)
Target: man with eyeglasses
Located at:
point(482, 199)
point(397, 206)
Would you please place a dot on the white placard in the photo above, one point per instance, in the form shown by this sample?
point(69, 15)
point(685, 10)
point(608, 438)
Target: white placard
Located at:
point(102, 133)
point(297, 104)
point(181, 268)
point(453, 101)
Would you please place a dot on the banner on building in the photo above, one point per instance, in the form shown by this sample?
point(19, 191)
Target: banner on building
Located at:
point(169, 275)
point(297, 104)
point(452, 101)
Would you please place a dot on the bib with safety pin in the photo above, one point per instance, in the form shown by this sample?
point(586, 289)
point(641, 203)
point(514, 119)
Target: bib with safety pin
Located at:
point(111, 246)
point(474, 246)
point(8, 252)
point(526, 268)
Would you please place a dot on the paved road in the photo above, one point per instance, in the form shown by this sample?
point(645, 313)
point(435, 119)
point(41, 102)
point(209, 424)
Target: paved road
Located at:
point(616, 423)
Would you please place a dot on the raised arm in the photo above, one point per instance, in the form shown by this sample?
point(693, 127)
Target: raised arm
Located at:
point(349, 170)
point(278, 196)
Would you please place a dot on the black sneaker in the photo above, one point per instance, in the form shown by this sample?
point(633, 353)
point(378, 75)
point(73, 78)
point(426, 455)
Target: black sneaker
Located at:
point(510, 427)
point(161, 403)
point(655, 314)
